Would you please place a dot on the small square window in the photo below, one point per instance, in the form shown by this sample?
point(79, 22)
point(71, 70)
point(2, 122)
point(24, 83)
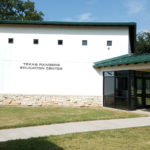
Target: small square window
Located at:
point(109, 43)
point(84, 42)
point(35, 41)
point(10, 40)
point(60, 42)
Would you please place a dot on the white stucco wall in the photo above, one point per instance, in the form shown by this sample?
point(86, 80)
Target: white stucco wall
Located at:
point(76, 77)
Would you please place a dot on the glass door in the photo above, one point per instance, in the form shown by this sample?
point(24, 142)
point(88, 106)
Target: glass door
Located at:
point(147, 93)
point(139, 92)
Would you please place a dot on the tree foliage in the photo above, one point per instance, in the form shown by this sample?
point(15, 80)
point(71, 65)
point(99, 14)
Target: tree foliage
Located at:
point(143, 43)
point(19, 10)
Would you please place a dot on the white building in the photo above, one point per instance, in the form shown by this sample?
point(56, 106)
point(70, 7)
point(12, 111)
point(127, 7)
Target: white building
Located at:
point(51, 63)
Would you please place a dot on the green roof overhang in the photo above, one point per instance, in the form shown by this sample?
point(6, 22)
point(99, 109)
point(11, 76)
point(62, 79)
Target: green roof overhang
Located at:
point(68, 23)
point(123, 60)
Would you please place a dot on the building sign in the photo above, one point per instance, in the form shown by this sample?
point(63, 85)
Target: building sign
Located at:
point(41, 66)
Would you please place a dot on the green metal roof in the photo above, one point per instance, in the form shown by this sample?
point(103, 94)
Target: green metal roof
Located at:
point(69, 23)
point(123, 60)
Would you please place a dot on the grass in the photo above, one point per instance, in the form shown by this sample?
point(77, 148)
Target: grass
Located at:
point(122, 139)
point(12, 117)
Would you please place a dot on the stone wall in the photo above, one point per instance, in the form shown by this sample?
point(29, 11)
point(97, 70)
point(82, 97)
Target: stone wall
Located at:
point(49, 100)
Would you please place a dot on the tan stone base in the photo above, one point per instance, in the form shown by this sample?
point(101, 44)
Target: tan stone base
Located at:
point(50, 100)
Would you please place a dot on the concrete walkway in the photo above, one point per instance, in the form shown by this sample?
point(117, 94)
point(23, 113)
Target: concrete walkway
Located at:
point(142, 111)
point(73, 127)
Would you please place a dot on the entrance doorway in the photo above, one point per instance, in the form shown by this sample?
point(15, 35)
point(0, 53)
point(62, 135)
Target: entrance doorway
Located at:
point(127, 89)
point(143, 93)
point(147, 93)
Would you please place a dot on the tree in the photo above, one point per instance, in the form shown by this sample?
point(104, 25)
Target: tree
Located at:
point(143, 43)
point(19, 10)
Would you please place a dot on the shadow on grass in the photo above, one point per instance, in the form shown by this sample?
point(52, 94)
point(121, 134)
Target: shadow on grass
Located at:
point(29, 144)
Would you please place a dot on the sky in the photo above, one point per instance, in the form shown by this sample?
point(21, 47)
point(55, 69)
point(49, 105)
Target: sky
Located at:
point(97, 11)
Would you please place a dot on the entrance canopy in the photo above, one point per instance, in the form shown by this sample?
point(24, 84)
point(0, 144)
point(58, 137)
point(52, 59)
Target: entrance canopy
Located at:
point(126, 81)
point(123, 60)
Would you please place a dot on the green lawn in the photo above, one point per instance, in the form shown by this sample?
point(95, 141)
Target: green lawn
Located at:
point(122, 139)
point(12, 117)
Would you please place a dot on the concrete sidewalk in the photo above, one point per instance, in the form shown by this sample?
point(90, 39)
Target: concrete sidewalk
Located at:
point(73, 127)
